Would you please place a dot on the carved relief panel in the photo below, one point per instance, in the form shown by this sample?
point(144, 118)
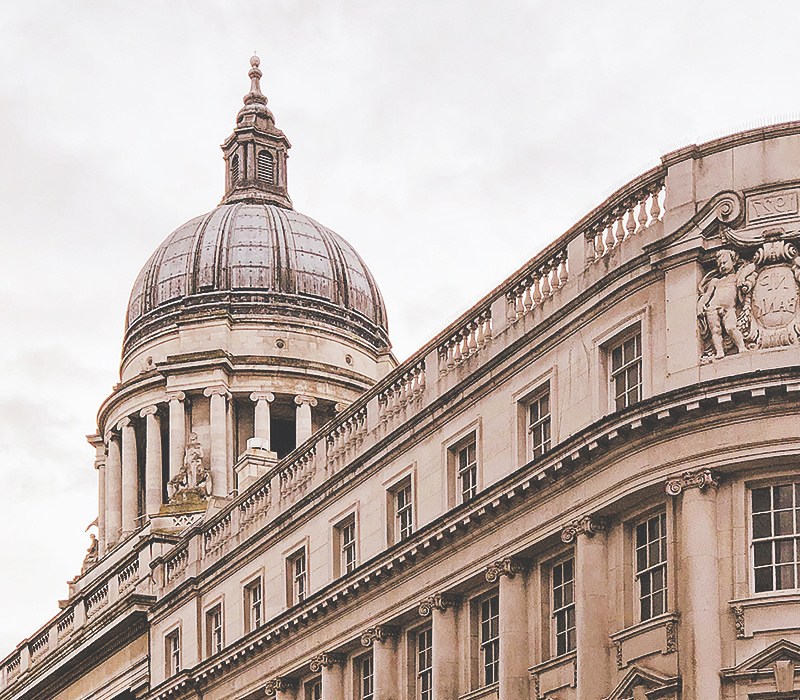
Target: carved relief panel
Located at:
point(750, 298)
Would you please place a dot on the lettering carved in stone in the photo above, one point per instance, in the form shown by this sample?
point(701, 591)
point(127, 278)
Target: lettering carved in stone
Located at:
point(752, 299)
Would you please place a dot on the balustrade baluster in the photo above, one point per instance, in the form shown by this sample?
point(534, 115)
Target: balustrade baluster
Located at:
point(642, 218)
point(655, 209)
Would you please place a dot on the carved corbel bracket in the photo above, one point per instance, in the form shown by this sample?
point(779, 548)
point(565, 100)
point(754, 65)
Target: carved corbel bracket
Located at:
point(326, 659)
point(701, 479)
point(508, 566)
point(379, 633)
point(279, 684)
point(588, 525)
point(438, 601)
point(738, 621)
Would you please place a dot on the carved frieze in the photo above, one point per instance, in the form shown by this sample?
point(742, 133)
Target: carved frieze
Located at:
point(508, 566)
point(587, 525)
point(700, 479)
point(379, 633)
point(438, 601)
point(751, 298)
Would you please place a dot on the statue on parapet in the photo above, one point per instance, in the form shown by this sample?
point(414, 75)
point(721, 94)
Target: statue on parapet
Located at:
point(193, 481)
point(92, 554)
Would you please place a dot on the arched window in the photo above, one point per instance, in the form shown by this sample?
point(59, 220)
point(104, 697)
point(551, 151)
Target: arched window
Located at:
point(266, 167)
point(235, 169)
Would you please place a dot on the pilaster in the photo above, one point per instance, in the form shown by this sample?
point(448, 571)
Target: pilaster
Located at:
point(218, 396)
point(383, 640)
point(177, 431)
point(332, 667)
point(443, 611)
point(303, 425)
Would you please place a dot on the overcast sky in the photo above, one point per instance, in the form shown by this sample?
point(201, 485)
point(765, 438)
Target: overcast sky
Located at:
point(448, 141)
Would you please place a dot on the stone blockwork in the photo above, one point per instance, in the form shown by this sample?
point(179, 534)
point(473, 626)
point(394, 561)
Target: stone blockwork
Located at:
point(584, 487)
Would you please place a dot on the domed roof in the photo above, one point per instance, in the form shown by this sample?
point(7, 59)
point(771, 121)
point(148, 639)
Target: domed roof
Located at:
point(286, 258)
point(254, 257)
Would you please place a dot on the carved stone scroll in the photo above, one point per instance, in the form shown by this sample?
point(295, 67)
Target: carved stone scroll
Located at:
point(508, 566)
point(379, 633)
point(438, 601)
point(700, 479)
point(326, 659)
point(587, 525)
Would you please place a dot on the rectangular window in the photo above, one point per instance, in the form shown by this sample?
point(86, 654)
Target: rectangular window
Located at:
point(467, 465)
point(172, 652)
point(626, 371)
point(425, 664)
point(299, 578)
point(347, 545)
point(314, 689)
point(404, 511)
point(539, 425)
point(366, 678)
point(776, 531)
point(490, 639)
point(214, 630)
point(563, 605)
point(253, 605)
point(651, 566)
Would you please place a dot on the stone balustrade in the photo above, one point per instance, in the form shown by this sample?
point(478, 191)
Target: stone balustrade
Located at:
point(405, 391)
point(296, 477)
point(175, 565)
point(344, 439)
point(465, 342)
point(108, 589)
point(256, 506)
point(629, 216)
point(217, 535)
point(537, 286)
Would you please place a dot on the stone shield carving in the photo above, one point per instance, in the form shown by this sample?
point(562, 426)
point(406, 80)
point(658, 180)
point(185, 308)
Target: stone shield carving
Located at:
point(752, 299)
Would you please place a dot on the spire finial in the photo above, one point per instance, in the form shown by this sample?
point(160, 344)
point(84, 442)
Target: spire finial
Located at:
point(255, 94)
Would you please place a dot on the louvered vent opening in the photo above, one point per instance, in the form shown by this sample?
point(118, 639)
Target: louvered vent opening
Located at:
point(266, 167)
point(235, 169)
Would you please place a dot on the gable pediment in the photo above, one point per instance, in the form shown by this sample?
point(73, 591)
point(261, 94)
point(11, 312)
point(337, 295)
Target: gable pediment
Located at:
point(641, 683)
point(764, 661)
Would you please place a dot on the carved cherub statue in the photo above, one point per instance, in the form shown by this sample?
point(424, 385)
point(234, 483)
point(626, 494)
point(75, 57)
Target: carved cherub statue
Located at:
point(721, 296)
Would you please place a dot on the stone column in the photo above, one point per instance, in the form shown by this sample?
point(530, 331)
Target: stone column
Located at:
point(332, 667)
point(100, 464)
point(282, 689)
point(303, 419)
point(591, 605)
point(262, 400)
point(442, 609)
point(130, 474)
point(383, 640)
point(113, 490)
point(152, 466)
point(177, 431)
point(700, 603)
point(218, 449)
point(514, 648)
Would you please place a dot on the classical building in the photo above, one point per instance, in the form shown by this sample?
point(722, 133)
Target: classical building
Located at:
point(585, 487)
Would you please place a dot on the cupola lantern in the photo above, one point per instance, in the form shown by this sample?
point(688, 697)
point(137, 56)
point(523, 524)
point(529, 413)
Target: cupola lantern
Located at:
point(256, 152)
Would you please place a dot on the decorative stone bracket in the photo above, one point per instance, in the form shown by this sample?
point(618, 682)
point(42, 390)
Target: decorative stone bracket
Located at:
point(279, 684)
point(588, 525)
point(701, 479)
point(326, 659)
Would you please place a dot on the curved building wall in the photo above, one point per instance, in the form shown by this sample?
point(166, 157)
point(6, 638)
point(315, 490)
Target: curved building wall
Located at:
point(585, 487)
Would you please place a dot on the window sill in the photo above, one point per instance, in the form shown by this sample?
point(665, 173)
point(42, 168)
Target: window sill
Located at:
point(761, 613)
point(641, 627)
point(488, 691)
point(557, 673)
point(656, 636)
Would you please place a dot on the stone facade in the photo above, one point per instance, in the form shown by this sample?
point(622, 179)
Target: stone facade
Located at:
point(585, 487)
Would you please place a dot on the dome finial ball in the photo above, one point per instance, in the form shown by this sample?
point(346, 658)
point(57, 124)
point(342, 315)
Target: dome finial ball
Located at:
point(255, 61)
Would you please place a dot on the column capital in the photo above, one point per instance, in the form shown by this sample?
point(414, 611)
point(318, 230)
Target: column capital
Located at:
point(175, 396)
point(700, 479)
point(282, 684)
point(326, 659)
point(149, 411)
point(110, 434)
point(588, 525)
point(219, 390)
point(124, 423)
point(301, 399)
point(379, 633)
point(438, 601)
point(257, 396)
point(507, 566)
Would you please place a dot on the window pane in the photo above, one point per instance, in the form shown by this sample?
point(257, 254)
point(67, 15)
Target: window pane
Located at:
point(762, 525)
point(784, 577)
point(784, 551)
point(784, 522)
point(763, 579)
point(761, 500)
point(782, 497)
point(762, 553)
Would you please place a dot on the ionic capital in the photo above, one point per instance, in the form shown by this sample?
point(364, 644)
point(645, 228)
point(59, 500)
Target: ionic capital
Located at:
point(438, 601)
point(109, 436)
point(339, 407)
point(257, 396)
point(588, 525)
point(508, 566)
point(379, 633)
point(124, 423)
point(700, 479)
point(149, 411)
point(217, 391)
point(282, 684)
point(326, 659)
point(300, 400)
point(175, 396)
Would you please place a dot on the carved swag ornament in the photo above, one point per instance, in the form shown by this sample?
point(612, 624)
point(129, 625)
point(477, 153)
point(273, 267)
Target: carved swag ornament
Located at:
point(751, 298)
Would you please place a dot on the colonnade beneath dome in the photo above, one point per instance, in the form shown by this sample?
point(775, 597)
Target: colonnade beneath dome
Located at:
point(142, 452)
